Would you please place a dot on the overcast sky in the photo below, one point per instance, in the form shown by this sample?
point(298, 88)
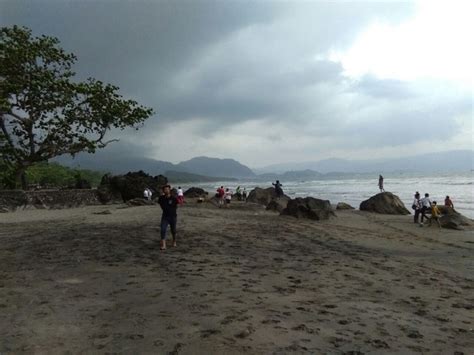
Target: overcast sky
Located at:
point(273, 82)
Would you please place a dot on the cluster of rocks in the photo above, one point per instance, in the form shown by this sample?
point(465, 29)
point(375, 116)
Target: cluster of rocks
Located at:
point(122, 188)
point(308, 207)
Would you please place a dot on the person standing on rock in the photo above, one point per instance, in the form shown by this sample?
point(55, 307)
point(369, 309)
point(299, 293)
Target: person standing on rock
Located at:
point(278, 189)
point(169, 205)
point(448, 202)
point(381, 183)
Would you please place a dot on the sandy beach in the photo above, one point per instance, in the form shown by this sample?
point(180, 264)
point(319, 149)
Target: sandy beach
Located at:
point(242, 280)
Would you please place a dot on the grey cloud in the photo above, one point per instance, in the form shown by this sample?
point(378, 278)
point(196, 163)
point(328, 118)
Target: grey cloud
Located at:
point(383, 88)
point(230, 62)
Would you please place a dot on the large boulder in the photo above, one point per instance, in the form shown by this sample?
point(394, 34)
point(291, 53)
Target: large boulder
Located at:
point(264, 196)
point(277, 205)
point(344, 206)
point(385, 203)
point(129, 186)
point(195, 192)
point(452, 219)
point(309, 207)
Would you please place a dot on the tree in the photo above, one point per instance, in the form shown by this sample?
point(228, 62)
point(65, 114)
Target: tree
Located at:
point(44, 113)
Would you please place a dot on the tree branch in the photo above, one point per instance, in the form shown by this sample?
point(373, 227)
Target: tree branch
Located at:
point(7, 136)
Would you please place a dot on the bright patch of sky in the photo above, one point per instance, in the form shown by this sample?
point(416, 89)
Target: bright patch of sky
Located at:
point(435, 43)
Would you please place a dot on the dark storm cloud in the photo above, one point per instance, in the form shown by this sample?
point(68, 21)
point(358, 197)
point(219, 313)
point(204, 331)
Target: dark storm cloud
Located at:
point(214, 65)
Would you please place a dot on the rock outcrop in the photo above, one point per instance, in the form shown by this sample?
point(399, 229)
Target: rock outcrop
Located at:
point(309, 207)
point(384, 203)
point(264, 196)
point(195, 192)
point(129, 186)
point(277, 205)
point(10, 200)
point(344, 206)
point(451, 219)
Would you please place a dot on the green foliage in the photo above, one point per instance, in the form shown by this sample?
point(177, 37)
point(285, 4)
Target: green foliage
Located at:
point(56, 175)
point(43, 112)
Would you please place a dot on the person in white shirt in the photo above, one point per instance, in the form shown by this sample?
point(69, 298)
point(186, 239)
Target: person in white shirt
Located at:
point(228, 196)
point(147, 194)
point(180, 195)
point(417, 206)
point(425, 206)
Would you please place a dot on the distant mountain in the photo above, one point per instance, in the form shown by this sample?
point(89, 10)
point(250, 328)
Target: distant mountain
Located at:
point(215, 167)
point(452, 161)
point(116, 164)
point(122, 163)
point(182, 177)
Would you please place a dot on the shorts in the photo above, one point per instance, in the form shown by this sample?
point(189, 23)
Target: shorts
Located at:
point(227, 201)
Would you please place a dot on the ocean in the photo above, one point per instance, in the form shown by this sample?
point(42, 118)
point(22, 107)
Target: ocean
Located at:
point(354, 189)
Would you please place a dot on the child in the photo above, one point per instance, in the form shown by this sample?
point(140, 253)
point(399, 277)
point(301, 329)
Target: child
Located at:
point(435, 214)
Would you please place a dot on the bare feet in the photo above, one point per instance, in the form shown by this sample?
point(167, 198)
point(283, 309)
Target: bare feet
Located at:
point(163, 245)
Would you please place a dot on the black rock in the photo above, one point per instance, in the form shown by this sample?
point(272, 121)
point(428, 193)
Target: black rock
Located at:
point(309, 207)
point(129, 186)
point(385, 203)
point(194, 192)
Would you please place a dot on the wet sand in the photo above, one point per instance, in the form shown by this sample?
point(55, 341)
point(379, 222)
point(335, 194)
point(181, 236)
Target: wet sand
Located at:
point(242, 280)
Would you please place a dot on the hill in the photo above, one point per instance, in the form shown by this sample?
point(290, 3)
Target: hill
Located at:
point(215, 167)
point(120, 163)
point(183, 177)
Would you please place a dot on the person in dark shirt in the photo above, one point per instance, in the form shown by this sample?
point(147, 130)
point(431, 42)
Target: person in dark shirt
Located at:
point(278, 189)
point(169, 205)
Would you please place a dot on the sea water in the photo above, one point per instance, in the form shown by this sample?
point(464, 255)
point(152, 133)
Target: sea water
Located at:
point(353, 189)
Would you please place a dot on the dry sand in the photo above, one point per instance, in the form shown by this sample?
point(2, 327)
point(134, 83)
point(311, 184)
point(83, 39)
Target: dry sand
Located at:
point(242, 280)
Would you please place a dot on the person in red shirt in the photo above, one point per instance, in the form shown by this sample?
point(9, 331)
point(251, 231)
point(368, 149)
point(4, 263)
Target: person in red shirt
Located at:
point(448, 202)
point(221, 196)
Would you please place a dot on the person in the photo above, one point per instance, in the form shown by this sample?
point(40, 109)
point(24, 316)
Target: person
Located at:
point(238, 193)
point(228, 196)
point(169, 205)
point(416, 206)
point(180, 195)
point(425, 206)
point(147, 194)
point(448, 202)
point(220, 196)
point(278, 189)
point(435, 214)
point(244, 194)
point(381, 183)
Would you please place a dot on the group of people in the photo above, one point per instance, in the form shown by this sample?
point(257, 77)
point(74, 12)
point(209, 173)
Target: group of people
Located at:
point(224, 195)
point(424, 205)
point(148, 194)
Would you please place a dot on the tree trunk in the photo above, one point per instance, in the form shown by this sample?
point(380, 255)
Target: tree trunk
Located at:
point(20, 178)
